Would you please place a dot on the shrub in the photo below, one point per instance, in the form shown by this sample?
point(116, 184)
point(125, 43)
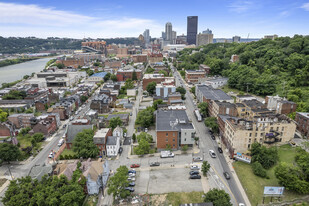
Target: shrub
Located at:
point(258, 169)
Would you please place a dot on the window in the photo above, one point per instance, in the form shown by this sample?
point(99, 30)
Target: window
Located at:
point(262, 134)
point(255, 134)
point(185, 139)
point(282, 129)
point(173, 134)
point(174, 140)
point(166, 139)
point(248, 146)
point(166, 134)
point(277, 128)
point(250, 134)
point(249, 140)
point(173, 145)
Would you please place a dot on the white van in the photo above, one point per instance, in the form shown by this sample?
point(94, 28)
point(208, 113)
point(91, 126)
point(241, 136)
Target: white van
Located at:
point(60, 143)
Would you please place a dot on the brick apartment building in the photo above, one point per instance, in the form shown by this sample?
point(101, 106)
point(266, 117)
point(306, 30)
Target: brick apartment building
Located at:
point(155, 57)
point(174, 129)
point(101, 103)
point(21, 120)
point(100, 139)
point(140, 58)
point(205, 68)
point(193, 76)
point(158, 78)
point(46, 126)
point(223, 108)
point(127, 73)
point(302, 121)
point(280, 105)
point(6, 130)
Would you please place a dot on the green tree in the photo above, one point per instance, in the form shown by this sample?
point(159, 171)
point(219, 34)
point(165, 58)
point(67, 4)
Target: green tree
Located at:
point(144, 136)
point(24, 131)
point(205, 168)
point(163, 72)
point(9, 152)
point(145, 117)
point(38, 137)
point(192, 90)
point(129, 84)
point(203, 106)
point(83, 98)
point(134, 137)
point(83, 144)
point(258, 169)
point(59, 65)
point(142, 148)
point(134, 76)
point(107, 76)
point(212, 123)
point(14, 94)
point(184, 148)
point(118, 182)
point(114, 78)
point(267, 157)
point(182, 91)
point(218, 197)
point(3, 116)
point(151, 87)
point(114, 122)
point(156, 102)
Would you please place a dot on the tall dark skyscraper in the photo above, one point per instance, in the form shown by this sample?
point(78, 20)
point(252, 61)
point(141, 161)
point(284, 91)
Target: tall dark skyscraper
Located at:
point(192, 29)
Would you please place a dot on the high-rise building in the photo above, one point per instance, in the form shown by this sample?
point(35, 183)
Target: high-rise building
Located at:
point(146, 37)
point(174, 37)
point(236, 39)
point(163, 35)
point(192, 23)
point(169, 32)
point(204, 38)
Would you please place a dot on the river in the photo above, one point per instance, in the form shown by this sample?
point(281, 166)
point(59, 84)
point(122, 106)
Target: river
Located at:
point(18, 71)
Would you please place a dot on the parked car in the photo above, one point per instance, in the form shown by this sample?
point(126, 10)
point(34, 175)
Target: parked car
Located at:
point(212, 154)
point(132, 171)
point(120, 150)
point(213, 137)
point(220, 150)
point(60, 143)
point(71, 118)
point(194, 172)
point(130, 113)
point(135, 165)
point(154, 164)
point(51, 155)
point(131, 174)
point(226, 175)
point(64, 126)
point(131, 184)
point(131, 178)
point(197, 159)
point(194, 167)
point(130, 189)
point(195, 176)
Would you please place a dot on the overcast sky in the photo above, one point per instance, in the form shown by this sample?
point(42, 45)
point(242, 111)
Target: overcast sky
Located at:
point(124, 18)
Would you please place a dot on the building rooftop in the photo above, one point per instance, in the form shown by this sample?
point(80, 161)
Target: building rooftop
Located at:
point(152, 76)
point(195, 71)
point(111, 140)
point(100, 74)
point(121, 116)
point(254, 103)
point(217, 79)
point(213, 94)
point(226, 104)
point(172, 120)
point(73, 130)
point(303, 114)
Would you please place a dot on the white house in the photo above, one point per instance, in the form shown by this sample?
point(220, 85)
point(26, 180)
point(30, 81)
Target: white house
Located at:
point(112, 145)
point(118, 132)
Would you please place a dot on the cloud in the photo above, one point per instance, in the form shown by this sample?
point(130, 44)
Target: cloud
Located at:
point(305, 6)
point(33, 20)
point(241, 6)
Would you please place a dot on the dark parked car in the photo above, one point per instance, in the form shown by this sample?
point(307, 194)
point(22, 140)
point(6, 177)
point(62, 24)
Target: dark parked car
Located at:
point(194, 172)
point(131, 184)
point(120, 150)
point(195, 177)
point(213, 137)
point(226, 175)
point(154, 164)
point(130, 189)
point(132, 171)
point(220, 150)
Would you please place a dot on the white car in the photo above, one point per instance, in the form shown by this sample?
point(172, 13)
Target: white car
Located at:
point(194, 167)
point(51, 155)
point(131, 178)
point(212, 154)
point(131, 174)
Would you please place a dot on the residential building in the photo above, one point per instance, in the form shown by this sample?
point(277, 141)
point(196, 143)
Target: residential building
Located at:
point(41, 104)
point(164, 90)
point(124, 118)
point(127, 73)
point(16, 104)
point(224, 108)
point(97, 77)
point(122, 52)
point(100, 138)
point(21, 120)
point(241, 98)
point(205, 68)
point(112, 146)
point(72, 131)
point(216, 82)
point(6, 129)
point(193, 76)
point(205, 93)
point(155, 57)
point(173, 129)
point(148, 78)
point(302, 121)
point(270, 129)
point(280, 105)
point(192, 24)
point(101, 103)
point(71, 62)
point(118, 132)
point(204, 38)
point(47, 126)
point(140, 58)
point(174, 98)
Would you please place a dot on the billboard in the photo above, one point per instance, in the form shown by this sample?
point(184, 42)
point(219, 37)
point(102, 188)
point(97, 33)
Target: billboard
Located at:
point(273, 191)
point(242, 157)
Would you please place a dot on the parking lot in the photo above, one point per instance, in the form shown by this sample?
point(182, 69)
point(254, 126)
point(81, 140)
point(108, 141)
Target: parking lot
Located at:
point(158, 180)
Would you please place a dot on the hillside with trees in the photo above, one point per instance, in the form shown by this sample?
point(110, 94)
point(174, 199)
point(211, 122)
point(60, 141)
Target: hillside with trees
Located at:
point(265, 67)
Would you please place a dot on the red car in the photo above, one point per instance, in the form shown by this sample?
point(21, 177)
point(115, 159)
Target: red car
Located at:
point(135, 165)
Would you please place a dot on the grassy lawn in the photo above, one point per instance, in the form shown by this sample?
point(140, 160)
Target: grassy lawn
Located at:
point(68, 152)
point(91, 200)
point(121, 112)
point(103, 115)
point(177, 198)
point(2, 181)
point(254, 185)
point(24, 141)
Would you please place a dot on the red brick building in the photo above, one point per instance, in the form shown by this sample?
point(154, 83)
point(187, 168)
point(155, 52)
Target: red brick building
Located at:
point(100, 139)
point(223, 108)
point(205, 68)
point(193, 76)
point(127, 73)
point(148, 78)
point(155, 57)
point(302, 122)
point(46, 126)
point(139, 58)
point(6, 130)
point(21, 120)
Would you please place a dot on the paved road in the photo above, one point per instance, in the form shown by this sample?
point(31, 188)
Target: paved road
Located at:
point(219, 164)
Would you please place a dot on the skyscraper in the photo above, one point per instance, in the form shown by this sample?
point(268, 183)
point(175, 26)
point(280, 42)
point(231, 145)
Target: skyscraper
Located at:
point(169, 32)
point(146, 37)
point(192, 22)
point(174, 36)
point(205, 38)
point(236, 39)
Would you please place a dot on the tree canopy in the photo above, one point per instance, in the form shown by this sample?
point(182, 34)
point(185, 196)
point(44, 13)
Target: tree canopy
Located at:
point(212, 123)
point(83, 144)
point(267, 157)
point(9, 152)
point(3, 115)
point(114, 122)
point(218, 197)
point(118, 182)
point(203, 106)
point(145, 117)
point(151, 87)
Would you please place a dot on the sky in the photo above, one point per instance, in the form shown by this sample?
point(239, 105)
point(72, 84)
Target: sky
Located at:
point(124, 18)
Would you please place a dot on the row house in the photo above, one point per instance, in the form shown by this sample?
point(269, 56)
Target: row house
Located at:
point(100, 138)
point(302, 121)
point(223, 108)
point(101, 103)
point(42, 104)
point(155, 57)
point(46, 126)
point(127, 73)
point(173, 129)
point(21, 120)
point(280, 105)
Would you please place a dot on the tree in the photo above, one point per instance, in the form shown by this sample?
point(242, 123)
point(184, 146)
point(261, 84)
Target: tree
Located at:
point(59, 65)
point(163, 72)
point(114, 122)
point(192, 90)
point(156, 102)
point(107, 76)
point(3, 116)
point(83, 144)
point(114, 78)
point(218, 197)
point(258, 169)
point(142, 148)
point(134, 76)
point(151, 87)
point(205, 168)
point(14, 94)
point(184, 148)
point(145, 117)
point(129, 84)
point(144, 136)
point(211, 122)
point(38, 137)
point(9, 152)
point(83, 98)
point(182, 91)
point(134, 137)
point(203, 106)
point(267, 157)
point(118, 183)
point(24, 131)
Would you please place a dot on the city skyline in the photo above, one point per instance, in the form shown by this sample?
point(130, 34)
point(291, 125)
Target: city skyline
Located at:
point(78, 19)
